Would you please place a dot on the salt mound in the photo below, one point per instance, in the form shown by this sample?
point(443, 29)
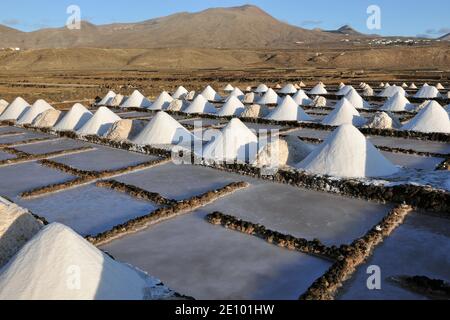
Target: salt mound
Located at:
point(74, 119)
point(344, 90)
point(15, 110)
point(288, 110)
point(107, 100)
point(368, 91)
point(249, 97)
point(302, 99)
point(210, 94)
point(47, 119)
point(347, 153)
point(427, 92)
point(136, 100)
point(356, 100)
point(164, 130)
point(319, 102)
point(341, 85)
point(439, 86)
point(391, 91)
point(3, 105)
point(236, 92)
point(262, 88)
point(344, 113)
point(162, 103)
point(228, 88)
point(288, 89)
point(36, 109)
point(120, 130)
point(100, 123)
point(255, 111)
point(200, 105)
point(270, 97)
point(177, 105)
point(432, 118)
point(381, 120)
point(17, 226)
point(297, 86)
point(233, 107)
point(236, 142)
point(117, 101)
point(404, 85)
point(180, 93)
point(302, 84)
point(413, 86)
point(58, 264)
point(381, 85)
point(398, 102)
point(318, 89)
point(278, 86)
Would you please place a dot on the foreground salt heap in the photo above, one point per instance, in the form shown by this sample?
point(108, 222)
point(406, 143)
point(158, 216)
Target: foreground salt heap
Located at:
point(270, 97)
point(347, 153)
point(235, 142)
point(162, 102)
point(233, 107)
point(15, 110)
point(398, 102)
point(58, 264)
point(344, 113)
point(108, 99)
point(318, 89)
point(200, 105)
point(210, 94)
point(288, 110)
point(100, 123)
point(136, 100)
point(427, 92)
point(74, 119)
point(164, 130)
point(432, 118)
point(36, 109)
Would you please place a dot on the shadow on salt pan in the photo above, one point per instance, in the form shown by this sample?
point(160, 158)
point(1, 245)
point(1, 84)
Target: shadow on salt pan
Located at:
point(419, 247)
point(210, 262)
point(16, 179)
point(89, 210)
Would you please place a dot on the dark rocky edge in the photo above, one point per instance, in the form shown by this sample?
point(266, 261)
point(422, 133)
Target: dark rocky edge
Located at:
point(416, 196)
point(388, 149)
point(444, 165)
point(165, 213)
point(314, 247)
point(432, 288)
point(135, 192)
point(25, 157)
point(64, 168)
point(86, 177)
point(326, 287)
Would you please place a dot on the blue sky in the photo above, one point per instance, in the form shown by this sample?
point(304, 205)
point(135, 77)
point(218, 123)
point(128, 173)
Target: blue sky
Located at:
point(399, 17)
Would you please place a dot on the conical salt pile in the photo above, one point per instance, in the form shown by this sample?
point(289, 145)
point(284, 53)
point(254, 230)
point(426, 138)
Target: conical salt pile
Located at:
point(100, 123)
point(235, 142)
point(398, 103)
point(3, 105)
point(302, 84)
point(344, 90)
point(210, 94)
point(136, 100)
point(344, 113)
point(107, 100)
point(356, 100)
point(270, 97)
point(432, 118)
point(233, 107)
point(181, 92)
point(413, 86)
point(36, 109)
point(404, 85)
point(162, 103)
point(58, 264)
point(288, 110)
point(228, 88)
point(347, 153)
point(391, 91)
point(439, 86)
point(318, 89)
point(288, 89)
point(200, 105)
point(74, 119)
point(15, 110)
point(262, 88)
point(236, 92)
point(427, 92)
point(341, 85)
point(164, 130)
point(302, 99)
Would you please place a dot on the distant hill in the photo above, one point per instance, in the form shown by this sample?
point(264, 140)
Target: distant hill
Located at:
point(347, 30)
point(445, 37)
point(237, 27)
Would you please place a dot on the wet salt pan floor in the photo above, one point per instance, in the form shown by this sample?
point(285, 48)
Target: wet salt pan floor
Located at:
point(52, 146)
point(209, 262)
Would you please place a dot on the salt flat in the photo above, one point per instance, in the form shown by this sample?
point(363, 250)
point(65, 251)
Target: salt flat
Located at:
point(52, 146)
